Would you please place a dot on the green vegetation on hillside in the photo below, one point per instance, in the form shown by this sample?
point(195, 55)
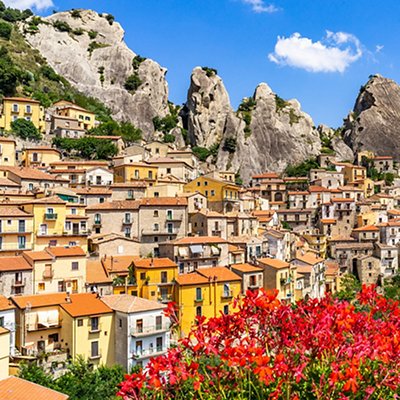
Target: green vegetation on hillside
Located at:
point(87, 147)
point(202, 153)
point(167, 123)
point(25, 129)
point(209, 71)
point(81, 382)
point(129, 133)
point(245, 108)
point(301, 169)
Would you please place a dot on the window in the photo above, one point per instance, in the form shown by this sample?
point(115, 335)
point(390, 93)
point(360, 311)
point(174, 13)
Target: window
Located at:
point(15, 108)
point(2, 321)
point(212, 192)
point(61, 286)
point(155, 239)
point(75, 265)
point(127, 231)
point(53, 338)
point(52, 243)
point(226, 309)
point(21, 242)
point(94, 324)
point(9, 222)
point(198, 294)
point(94, 349)
point(170, 228)
point(205, 183)
point(97, 218)
point(164, 277)
point(68, 225)
point(80, 322)
point(130, 194)
point(150, 174)
point(198, 311)
point(120, 322)
point(127, 218)
point(159, 343)
point(73, 211)
point(28, 108)
point(168, 170)
point(198, 183)
point(41, 286)
point(169, 214)
point(227, 291)
point(143, 276)
point(139, 347)
point(139, 326)
point(30, 186)
point(155, 214)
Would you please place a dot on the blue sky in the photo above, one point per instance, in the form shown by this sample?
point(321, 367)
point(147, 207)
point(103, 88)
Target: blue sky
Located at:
point(240, 39)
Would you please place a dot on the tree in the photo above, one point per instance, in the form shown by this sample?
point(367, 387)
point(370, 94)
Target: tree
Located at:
point(230, 145)
point(301, 169)
point(10, 75)
point(25, 129)
point(130, 134)
point(392, 287)
point(132, 83)
point(5, 30)
point(350, 286)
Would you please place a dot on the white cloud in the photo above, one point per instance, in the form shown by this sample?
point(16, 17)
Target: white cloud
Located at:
point(334, 53)
point(24, 4)
point(259, 6)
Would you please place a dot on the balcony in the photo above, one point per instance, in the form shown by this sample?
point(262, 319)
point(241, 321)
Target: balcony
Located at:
point(126, 221)
point(97, 222)
point(165, 299)
point(198, 300)
point(151, 232)
point(137, 331)
point(50, 216)
point(48, 274)
point(95, 328)
point(227, 294)
point(138, 354)
point(19, 282)
point(177, 218)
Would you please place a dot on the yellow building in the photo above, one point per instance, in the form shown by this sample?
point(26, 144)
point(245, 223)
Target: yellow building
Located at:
point(222, 196)
point(206, 292)
point(367, 185)
point(353, 173)
point(88, 328)
point(58, 269)
point(41, 156)
point(140, 171)
point(86, 119)
point(4, 352)
point(16, 230)
point(279, 275)
point(317, 242)
point(76, 324)
point(57, 223)
point(19, 107)
point(155, 278)
point(7, 151)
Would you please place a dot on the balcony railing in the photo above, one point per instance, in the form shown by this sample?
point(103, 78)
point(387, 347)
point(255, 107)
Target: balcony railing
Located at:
point(97, 222)
point(18, 282)
point(127, 221)
point(165, 299)
point(149, 330)
point(48, 274)
point(50, 216)
point(95, 328)
point(227, 294)
point(148, 352)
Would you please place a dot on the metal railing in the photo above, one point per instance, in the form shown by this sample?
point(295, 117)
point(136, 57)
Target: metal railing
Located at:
point(149, 329)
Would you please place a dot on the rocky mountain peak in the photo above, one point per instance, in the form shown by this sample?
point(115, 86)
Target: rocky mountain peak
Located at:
point(372, 125)
point(88, 49)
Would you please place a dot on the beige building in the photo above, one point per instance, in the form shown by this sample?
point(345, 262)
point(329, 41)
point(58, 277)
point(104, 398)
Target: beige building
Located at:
point(41, 156)
point(7, 151)
point(4, 354)
point(16, 276)
point(252, 276)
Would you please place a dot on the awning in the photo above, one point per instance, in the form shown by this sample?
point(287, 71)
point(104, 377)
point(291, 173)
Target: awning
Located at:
point(43, 318)
point(196, 248)
point(183, 251)
point(52, 317)
point(215, 250)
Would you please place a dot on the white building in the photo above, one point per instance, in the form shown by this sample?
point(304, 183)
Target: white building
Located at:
point(99, 176)
point(7, 320)
point(142, 330)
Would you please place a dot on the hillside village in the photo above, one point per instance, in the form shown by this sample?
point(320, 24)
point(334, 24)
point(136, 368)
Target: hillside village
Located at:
point(92, 251)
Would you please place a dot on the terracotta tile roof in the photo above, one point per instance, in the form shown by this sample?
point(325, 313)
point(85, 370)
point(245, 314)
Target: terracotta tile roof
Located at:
point(84, 304)
point(13, 211)
point(95, 272)
point(76, 216)
point(154, 263)
point(332, 268)
point(131, 184)
point(341, 200)
point(118, 263)
point(220, 274)
point(315, 188)
point(235, 249)
point(194, 278)
point(7, 182)
point(23, 99)
point(14, 263)
point(355, 245)
point(309, 258)
point(48, 200)
point(382, 158)
point(32, 256)
point(28, 173)
point(300, 193)
point(392, 222)
point(164, 201)
point(131, 304)
point(73, 251)
point(328, 221)
point(45, 148)
point(3, 330)
point(93, 190)
point(303, 269)
point(367, 228)
point(274, 263)
point(5, 304)
point(39, 300)
point(341, 238)
point(13, 388)
point(267, 175)
point(210, 214)
point(107, 137)
point(246, 268)
point(77, 162)
point(6, 139)
point(199, 240)
point(116, 205)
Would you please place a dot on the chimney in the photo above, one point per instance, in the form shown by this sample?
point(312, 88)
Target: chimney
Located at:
point(68, 298)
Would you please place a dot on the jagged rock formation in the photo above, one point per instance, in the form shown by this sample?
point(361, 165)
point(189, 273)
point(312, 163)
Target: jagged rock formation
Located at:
point(268, 137)
point(98, 65)
point(337, 144)
point(373, 123)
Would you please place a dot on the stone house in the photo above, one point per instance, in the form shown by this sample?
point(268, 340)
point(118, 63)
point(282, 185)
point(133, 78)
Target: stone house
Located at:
point(252, 276)
point(16, 276)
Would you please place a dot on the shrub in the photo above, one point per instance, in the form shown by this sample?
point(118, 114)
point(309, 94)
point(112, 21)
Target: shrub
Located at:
point(280, 103)
point(78, 32)
point(96, 45)
point(88, 147)
point(49, 73)
point(62, 26)
point(137, 61)
point(10, 75)
point(75, 14)
point(5, 30)
point(201, 152)
point(230, 145)
point(301, 169)
point(165, 124)
point(265, 349)
point(129, 133)
point(110, 18)
point(209, 71)
point(168, 138)
point(92, 34)
point(132, 83)
point(25, 129)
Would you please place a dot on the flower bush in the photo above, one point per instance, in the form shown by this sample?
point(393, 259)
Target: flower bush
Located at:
point(265, 349)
